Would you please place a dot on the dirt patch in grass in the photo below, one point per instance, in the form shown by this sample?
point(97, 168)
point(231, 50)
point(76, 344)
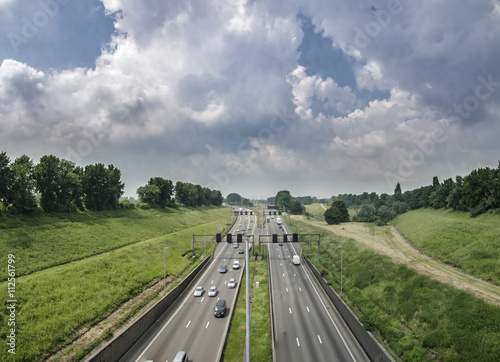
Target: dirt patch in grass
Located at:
point(388, 241)
point(92, 338)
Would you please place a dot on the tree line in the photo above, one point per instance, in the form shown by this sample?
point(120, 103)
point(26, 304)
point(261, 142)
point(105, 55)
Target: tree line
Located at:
point(59, 185)
point(476, 193)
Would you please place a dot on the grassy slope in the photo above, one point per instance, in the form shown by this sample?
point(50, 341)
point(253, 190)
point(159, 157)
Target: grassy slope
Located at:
point(46, 240)
point(316, 209)
point(420, 319)
point(53, 304)
point(470, 244)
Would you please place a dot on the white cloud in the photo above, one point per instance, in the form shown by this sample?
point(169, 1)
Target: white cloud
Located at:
point(331, 95)
point(185, 84)
point(371, 77)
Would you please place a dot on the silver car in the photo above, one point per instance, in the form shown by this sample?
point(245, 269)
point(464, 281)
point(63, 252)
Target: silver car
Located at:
point(231, 283)
point(212, 292)
point(198, 292)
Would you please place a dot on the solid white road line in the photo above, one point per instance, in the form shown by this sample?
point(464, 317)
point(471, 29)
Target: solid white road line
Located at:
point(331, 319)
point(178, 309)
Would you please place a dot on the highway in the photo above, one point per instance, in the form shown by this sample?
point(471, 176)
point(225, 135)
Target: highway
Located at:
point(307, 327)
point(190, 325)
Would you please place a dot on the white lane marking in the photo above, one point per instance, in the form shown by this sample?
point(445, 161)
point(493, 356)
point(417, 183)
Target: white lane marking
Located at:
point(212, 282)
point(298, 343)
point(187, 325)
point(290, 310)
point(324, 306)
point(283, 275)
point(281, 264)
point(294, 274)
point(178, 309)
point(320, 341)
point(201, 301)
point(286, 290)
point(207, 325)
point(308, 311)
point(300, 289)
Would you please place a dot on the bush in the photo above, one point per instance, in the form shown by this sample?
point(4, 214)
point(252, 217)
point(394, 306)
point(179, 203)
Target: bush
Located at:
point(126, 204)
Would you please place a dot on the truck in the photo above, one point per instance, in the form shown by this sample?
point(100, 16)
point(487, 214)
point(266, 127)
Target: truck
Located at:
point(296, 259)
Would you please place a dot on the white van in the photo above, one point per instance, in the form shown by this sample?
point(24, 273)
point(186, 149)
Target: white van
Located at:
point(296, 259)
point(181, 356)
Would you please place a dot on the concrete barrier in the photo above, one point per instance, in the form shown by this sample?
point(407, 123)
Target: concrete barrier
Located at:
point(118, 346)
point(375, 351)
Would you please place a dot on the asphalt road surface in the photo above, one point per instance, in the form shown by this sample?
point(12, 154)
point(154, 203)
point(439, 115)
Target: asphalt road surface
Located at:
point(307, 325)
point(190, 325)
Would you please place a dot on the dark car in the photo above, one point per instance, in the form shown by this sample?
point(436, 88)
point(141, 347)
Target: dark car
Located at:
point(241, 251)
point(220, 308)
point(223, 269)
point(280, 244)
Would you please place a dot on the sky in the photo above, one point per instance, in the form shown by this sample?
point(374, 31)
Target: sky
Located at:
point(319, 98)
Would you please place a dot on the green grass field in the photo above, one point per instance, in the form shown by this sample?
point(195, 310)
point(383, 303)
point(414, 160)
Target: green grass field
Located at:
point(470, 244)
point(316, 209)
point(46, 240)
point(420, 319)
point(53, 304)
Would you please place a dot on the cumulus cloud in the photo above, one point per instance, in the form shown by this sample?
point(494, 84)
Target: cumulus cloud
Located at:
point(215, 92)
point(331, 97)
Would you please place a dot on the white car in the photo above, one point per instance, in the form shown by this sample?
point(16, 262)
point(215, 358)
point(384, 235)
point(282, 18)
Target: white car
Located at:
point(231, 283)
point(198, 292)
point(212, 292)
point(236, 264)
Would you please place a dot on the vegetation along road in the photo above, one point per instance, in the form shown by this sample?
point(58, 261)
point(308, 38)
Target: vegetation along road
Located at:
point(388, 241)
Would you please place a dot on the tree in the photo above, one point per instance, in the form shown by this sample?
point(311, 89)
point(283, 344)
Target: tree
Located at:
point(21, 195)
point(337, 213)
point(149, 194)
point(454, 199)
point(385, 214)
point(59, 184)
point(398, 196)
point(5, 179)
point(46, 174)
point(399, 207)
point(102, 187)
point(166, 188)
point(380, 203)
point(366, 214)
point(283, 199)
point(296, 208)
point(233, 198)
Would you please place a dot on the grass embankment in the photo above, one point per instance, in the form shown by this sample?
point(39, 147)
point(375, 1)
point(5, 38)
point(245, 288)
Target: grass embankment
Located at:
point(45, 240)
point(260, 328)
point(469, 244)
point(316, 209)
point(54, 304)
point(420, 319)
